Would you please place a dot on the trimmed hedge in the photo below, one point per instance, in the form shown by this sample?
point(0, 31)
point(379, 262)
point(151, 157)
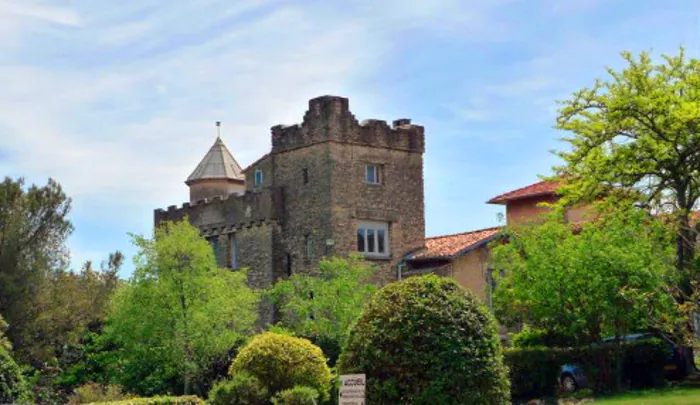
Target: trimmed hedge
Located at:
point(282, 362)
point(535, 371)
point(242, 389)
point(426, 340)
point(13, 387)
point(183, 400)
point(296, 396)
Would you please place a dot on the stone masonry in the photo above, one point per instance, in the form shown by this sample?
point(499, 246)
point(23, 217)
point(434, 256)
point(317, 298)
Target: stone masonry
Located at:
point(313, 196)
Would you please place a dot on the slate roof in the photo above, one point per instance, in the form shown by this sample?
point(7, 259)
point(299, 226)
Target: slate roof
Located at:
point(447, 246)
point(542, 188)
point(218, 163)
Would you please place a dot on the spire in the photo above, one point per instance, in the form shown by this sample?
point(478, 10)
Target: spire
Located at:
point(218, 163)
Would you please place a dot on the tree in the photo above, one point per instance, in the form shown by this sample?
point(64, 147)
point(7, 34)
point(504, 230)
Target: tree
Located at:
point(33, 228)
point(178, 312)
point(609, 276)
point(322, 307)
point(426, 340)
point(639, 134)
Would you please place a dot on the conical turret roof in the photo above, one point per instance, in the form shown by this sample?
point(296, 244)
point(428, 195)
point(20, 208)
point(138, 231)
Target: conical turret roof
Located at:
point(218, 163)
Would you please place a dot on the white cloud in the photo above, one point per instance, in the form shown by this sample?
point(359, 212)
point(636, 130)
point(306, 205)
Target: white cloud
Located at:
point(120, 108)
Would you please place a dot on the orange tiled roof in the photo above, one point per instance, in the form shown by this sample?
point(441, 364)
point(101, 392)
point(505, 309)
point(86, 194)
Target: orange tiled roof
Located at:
point(538, 189)
point(450, 245)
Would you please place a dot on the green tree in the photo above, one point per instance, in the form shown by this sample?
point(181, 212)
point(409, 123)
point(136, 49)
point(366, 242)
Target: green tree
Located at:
point(323, 307)
point(605, 277)
point(33, 228)
point(178, 312)
point(638, 133)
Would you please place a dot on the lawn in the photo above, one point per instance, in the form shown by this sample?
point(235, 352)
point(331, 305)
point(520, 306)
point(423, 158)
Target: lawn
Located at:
point(680, 396)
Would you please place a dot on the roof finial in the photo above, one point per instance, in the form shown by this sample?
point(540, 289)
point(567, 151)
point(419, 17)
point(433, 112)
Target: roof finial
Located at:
point(218, 129)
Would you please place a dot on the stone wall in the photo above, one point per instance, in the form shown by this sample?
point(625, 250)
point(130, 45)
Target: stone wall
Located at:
point(398, 200)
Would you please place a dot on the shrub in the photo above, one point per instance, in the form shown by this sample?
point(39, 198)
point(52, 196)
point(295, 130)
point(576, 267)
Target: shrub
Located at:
point(426, 340)
point(242, 389)
point(282, 362)
point(296, 396)
point(535, 371)
point(183, 400)
point(13, 387)
point(93, 392)
point(530, 337)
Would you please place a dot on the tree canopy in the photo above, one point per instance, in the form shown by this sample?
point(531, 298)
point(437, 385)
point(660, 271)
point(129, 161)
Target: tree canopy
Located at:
point(638, 133)
point(322, 307)
point(606, 277)
point(178, 312)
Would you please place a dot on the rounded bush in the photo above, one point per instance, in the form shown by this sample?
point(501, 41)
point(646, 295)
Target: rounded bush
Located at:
point(13, 387)
point(242, 389)
point(426, 340)
point(296, 396)
point(282, 362)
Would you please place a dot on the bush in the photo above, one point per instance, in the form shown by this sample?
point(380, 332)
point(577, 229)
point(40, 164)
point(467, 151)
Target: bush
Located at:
point(530, 337)
point(184, 400)
point(296, 396)
point(282, 362)
point(13, 387)
point(426, 340)
point(92, 392)
point(243, 389)
point(535, 371)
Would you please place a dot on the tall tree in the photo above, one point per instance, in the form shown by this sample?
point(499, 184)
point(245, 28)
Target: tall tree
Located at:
point(33, 228)
point(639, 133)
point(606, 277)
point(323, 307)
point(179, 312)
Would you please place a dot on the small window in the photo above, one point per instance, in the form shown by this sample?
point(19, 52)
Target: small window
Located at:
point(373, 239)
point(308, 247)
point(288, 260)
point(305, 175)
point(214, 243)
point(233, 251)
point(258, 177)
point(373, 174)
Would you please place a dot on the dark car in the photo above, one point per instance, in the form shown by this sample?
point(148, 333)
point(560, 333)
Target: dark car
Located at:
point(679, 363)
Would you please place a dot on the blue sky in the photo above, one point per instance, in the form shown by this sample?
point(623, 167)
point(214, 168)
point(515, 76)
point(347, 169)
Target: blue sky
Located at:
point(117, 99)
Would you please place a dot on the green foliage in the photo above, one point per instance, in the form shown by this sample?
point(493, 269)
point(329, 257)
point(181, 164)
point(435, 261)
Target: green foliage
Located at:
point(637, 134)
point(33, 228)
point(282, 362)
point(426, 340)
point(603, 277)
point(322, 307)
point(92, 392)
point(530, 337)
point(4, 341)
point(178, 314)
point(535, 371)
point(242, 389)
point(13, 387)
point(93, 359)
point(297, 396)
point(159, 400)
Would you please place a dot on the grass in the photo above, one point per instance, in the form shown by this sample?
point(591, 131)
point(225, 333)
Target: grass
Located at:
point(671, 396)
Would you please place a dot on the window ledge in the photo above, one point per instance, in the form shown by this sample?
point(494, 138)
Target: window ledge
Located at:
point(376, 257)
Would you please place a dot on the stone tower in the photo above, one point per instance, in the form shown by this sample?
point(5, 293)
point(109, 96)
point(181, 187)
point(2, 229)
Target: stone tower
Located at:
point(330, 186)
point(218, 174)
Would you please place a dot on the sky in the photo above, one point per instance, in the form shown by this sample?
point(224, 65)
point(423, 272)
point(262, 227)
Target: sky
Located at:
point(116, 100)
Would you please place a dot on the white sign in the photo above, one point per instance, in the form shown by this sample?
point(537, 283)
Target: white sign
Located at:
point(352, 389)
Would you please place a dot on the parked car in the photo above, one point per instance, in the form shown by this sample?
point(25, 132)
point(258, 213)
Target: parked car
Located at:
point(679, 363)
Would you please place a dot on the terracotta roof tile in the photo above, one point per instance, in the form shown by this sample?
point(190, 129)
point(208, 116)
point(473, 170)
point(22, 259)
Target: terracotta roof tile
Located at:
point(537, 189)
point(450, 245)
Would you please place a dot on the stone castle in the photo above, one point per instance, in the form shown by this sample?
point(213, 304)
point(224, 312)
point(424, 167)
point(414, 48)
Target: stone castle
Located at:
point(329, 186)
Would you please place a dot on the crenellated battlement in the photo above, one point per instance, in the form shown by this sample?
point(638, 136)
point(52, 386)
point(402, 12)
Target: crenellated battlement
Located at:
point(224, 214)
point(329, 119)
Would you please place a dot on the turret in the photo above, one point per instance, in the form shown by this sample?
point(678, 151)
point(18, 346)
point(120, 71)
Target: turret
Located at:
point(217, 175)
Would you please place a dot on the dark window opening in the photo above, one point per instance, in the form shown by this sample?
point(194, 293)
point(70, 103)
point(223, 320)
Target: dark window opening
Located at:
point(288, 260)
point(305, 175)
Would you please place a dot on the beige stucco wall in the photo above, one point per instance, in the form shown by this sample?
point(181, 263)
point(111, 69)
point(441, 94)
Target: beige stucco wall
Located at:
point(471, 271)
